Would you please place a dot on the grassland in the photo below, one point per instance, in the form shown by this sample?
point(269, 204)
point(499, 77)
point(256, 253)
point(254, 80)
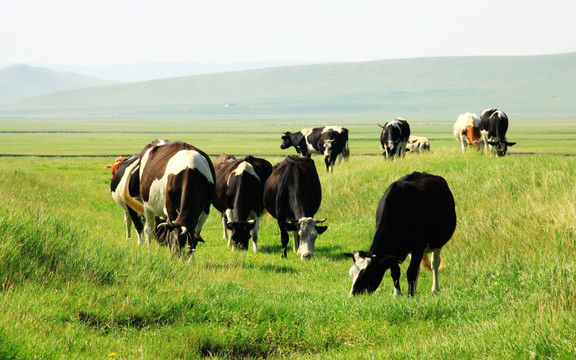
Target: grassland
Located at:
point(72, 287)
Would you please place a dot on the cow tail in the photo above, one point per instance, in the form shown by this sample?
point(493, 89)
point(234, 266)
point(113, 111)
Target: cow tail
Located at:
point(426, 264)
point(132, 202)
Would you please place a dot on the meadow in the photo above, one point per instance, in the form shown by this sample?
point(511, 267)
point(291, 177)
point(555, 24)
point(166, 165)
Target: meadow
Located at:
point(72, 287)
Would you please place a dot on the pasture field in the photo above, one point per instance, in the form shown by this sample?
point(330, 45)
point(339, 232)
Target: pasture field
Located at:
point(72, 287)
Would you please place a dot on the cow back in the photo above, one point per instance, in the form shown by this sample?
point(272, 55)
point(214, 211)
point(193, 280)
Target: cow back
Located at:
point(121, 171)
point(293, 189)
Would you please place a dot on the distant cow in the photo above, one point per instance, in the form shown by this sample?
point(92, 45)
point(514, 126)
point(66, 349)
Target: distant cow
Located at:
point(493, 126)
point(238, 197)
point(176, 183)
point(394, 138)
point(417, 144)
point(415, 216)
point(466, 129)
point(125, 179)
point(292, 195)
point(330, 141)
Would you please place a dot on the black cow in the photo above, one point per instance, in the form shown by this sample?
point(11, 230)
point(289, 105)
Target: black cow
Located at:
point(239, 192)
point(394, 138)
point(331, 141)
point(176, 183)
point(292, 195)
point(415, 216)
point(125, 177)
point(493, 127)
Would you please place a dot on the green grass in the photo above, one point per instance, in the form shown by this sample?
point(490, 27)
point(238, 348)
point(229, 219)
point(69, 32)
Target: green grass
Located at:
point(72, 287)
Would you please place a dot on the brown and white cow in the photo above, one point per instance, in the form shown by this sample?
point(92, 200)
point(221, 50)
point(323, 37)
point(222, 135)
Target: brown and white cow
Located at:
point(466, 129)
point(125, 179)
point(239, 192)
point(292, 195)
point(177, 183)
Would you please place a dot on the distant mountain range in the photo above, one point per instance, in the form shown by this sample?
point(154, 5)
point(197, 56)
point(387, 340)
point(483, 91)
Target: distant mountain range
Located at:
point(22, 81)
point(425, 87)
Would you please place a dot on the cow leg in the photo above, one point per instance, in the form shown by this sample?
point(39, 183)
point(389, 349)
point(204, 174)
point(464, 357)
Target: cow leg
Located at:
point(229, 219)
point(413, 271)
point(137, 224)
point(462, 143)
point(435, 267)
point(395, 274)
point(283, 238)
point(150, 225)
point(327, 162)
point(128, 223)
point(254, 233)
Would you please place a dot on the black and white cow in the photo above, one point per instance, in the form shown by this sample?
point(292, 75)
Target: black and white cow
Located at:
point(416, 215)
point(330, 141)
point(125, 178)
point(493, 127)
point(417, 144)
point(239, 192)
point(177, 183)
point(292, 195)
point(394, 138)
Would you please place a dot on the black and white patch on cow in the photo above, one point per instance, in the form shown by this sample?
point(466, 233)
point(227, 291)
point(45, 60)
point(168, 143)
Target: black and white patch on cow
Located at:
point(493, 127)
point(292, 195)
point(415, 216)
point(125, 179)
point(239, 188)
point(176, 183)
point(394, 138)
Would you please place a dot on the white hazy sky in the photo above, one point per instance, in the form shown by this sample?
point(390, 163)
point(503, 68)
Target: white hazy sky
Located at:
point(95, 32)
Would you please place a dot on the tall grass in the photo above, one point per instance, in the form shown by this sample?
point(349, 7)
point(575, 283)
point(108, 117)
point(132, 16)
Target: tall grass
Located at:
point(72, 287)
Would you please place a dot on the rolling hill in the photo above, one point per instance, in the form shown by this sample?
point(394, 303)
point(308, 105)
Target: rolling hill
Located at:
point(424, 86)
point(22, 81)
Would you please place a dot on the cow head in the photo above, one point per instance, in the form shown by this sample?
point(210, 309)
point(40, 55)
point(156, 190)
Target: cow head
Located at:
point(178, 238)
point(500, 147)
point(287, 141)
point(308, 231)
point(240, 232)
point(367, 271)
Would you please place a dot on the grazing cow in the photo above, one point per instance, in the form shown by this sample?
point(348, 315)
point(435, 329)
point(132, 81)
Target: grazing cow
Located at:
point(466, 129)
point(417, 144)
point(292, 195)
point(331, 141)
point(239, 189)
point(415, 216)
point(125, 179)
point(176, 183)
point(493, 126)
point(394, 138)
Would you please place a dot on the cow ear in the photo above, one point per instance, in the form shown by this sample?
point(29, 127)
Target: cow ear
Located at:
point(493, 143)
point(510, 143)
point(321, 229)
point(350, 255)
point(290, 227)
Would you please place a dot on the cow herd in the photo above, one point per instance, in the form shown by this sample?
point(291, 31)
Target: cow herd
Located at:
point(167, 189)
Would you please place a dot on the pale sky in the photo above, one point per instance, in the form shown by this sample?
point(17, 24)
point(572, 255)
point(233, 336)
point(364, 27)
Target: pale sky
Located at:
point(98, 32)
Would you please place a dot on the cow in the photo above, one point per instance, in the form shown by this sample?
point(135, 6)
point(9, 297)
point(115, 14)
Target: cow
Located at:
point(292, 195)
point(330, 141)
point(415, 216)
point(177, 183)
point(417, 144)
point(238, 197)
point(394, 138)
point(493, 127)
point(125, 178)
point(466, 130)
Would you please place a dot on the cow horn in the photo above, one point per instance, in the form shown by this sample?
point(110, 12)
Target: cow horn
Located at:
point(162, 225)
point(183, 230)
point(320, 221)
point(382, 126)
point(251, 221)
